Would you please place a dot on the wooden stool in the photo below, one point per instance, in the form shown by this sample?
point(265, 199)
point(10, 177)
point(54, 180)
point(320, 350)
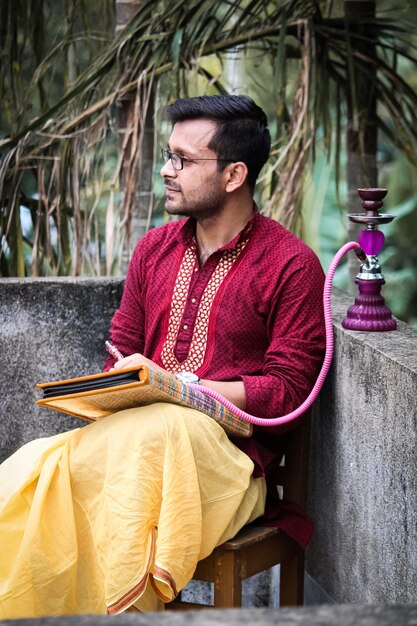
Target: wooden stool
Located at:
point(255, 549)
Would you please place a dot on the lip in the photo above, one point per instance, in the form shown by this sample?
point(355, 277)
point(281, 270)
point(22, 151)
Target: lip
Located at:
point(171, 189)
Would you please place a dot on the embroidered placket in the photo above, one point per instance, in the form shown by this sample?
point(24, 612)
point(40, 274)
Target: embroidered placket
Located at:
point(198, 345)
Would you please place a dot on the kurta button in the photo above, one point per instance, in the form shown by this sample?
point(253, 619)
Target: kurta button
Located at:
point(193, 300)
point(185, 326)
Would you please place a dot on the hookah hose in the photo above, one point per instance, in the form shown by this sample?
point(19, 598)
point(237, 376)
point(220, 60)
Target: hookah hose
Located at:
point(258, 421)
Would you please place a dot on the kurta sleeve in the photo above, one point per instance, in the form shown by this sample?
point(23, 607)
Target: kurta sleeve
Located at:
point(296, 334)
point(127, 329)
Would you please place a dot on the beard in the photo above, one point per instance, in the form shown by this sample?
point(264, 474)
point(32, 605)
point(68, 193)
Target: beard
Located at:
point(205, 203)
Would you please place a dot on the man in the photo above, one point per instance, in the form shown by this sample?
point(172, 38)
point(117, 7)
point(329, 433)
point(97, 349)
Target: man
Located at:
point(217, 148)
point(116, 515)
point(227, 294)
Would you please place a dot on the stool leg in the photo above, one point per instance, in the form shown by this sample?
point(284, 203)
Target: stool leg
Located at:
point(292, 581)
point(227, 580)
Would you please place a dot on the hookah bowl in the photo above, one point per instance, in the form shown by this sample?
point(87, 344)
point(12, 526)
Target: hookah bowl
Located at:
point(369, 311)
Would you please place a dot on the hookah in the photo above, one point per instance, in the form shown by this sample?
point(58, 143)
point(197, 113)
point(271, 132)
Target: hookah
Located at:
point(368, 313)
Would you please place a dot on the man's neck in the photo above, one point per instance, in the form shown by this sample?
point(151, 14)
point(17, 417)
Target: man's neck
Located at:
point(216, 232)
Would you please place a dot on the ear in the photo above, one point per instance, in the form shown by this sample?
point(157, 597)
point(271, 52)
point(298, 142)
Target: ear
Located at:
point(236, 175)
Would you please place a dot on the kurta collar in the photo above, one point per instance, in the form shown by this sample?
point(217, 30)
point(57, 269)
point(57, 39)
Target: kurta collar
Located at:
point(186, 234)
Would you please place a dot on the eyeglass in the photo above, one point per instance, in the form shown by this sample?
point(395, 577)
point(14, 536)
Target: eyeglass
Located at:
point(178, 161)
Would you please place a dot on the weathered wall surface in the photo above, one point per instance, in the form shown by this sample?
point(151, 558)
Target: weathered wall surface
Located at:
point(363, 487)
point(49, 329)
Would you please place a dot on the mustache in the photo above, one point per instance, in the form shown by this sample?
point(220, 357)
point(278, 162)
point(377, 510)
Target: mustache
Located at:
point(169, 184)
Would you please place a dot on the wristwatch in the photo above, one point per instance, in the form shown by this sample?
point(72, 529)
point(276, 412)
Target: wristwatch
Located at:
point(188, 377)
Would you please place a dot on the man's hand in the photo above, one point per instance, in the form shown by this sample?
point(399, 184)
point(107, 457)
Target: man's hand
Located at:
point(136, 359)
point(233, 391)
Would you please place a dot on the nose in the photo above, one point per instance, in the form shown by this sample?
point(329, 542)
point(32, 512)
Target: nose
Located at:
point(168, 170)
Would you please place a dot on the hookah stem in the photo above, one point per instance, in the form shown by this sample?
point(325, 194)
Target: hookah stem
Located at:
point(259, 421)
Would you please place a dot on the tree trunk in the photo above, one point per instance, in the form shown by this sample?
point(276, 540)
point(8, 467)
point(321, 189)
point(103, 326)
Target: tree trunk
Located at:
point(362, 127)
point(136, 140)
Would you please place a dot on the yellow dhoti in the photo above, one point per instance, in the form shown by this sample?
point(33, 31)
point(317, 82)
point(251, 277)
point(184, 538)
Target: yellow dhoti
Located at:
point(118, 513)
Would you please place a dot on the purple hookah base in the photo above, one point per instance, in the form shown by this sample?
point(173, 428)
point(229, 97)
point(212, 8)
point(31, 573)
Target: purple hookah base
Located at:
point(369, 312)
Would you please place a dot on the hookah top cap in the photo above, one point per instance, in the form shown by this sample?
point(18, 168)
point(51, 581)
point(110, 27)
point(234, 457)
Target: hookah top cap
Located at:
point(372, 201)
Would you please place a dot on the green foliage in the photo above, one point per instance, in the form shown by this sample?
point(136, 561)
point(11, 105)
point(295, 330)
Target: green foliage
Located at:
point(65, 77)
point(44, 47)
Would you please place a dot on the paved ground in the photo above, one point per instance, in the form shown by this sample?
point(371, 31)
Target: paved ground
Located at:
point(324, 615)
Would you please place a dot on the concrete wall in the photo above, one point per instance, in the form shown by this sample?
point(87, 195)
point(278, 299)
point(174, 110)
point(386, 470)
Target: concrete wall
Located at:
point(363, 487)
point(49, 329)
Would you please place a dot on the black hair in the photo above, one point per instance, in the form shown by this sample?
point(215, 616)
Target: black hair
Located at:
point(242, 128)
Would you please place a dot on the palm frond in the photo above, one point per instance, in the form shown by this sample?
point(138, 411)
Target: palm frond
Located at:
point(52, 144)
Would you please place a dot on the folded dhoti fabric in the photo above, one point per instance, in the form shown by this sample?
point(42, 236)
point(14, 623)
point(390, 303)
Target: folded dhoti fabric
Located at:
point(118, 513)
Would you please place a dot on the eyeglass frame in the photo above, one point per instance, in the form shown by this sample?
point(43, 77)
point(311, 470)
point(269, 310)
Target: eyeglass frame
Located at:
point(167, 156)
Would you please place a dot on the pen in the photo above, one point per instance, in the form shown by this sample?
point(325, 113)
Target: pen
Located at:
point(116, 354)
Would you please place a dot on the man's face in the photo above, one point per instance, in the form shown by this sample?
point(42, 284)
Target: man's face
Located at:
point(198, 190)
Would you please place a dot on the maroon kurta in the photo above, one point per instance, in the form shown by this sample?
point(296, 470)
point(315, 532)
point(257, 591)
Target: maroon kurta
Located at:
point(252, 312)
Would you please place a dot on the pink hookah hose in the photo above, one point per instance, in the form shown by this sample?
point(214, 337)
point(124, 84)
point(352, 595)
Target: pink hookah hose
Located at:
point(259, 421)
